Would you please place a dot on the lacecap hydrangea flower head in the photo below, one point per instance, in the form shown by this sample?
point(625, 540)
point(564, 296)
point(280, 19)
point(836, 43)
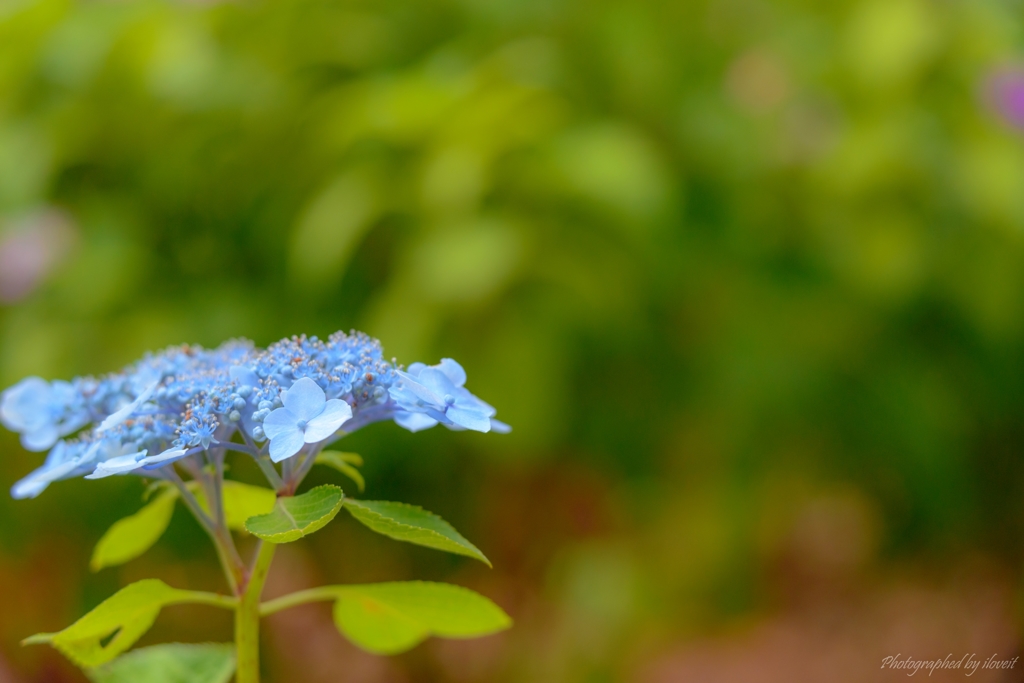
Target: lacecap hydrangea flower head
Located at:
point(180, 412)
point(283, 403)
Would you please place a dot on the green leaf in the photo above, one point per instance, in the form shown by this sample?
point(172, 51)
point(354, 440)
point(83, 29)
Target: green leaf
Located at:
point(344, 463)
point(130, 537)
point(342, 456)
point(298, 516)
point(412, 524)
point(241, 501)
point(171, 663)
point(387, 618)
point(115, 624)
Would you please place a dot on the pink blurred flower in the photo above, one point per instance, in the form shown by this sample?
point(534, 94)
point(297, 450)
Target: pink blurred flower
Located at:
point(1004, 90)
point(30, 249)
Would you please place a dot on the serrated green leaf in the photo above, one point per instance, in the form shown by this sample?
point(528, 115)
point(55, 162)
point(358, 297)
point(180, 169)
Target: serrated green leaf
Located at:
point(171, 663)
point(344, 463)
point(130, 537)
point(388, 618)
point(298, 516)
point(241, 501)
point(126, 616)
point(412, 524)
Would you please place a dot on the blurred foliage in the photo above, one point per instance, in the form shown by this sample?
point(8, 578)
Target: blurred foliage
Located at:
point(710, 259)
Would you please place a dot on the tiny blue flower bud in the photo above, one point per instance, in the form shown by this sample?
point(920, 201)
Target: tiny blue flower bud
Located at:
point(257, 433)
point(235, 416)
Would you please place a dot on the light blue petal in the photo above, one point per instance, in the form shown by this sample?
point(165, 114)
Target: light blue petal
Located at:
point(141, 381)
point(25, 406)
point(74, 422)
point(453, 370)
point(121, 464)
point(53, 470)
point(151, 463)
point(405, 399)
point(464, 399)
point(414, 422)
point(29, 487)
point(415, 369)
point(285, 445)
point(305, 399)
point(499, 427)
point(437, 415)
point(127, 411)
point(170, 455)
point(278, 422)
point(437, 382)
point(422, 393)
point(243, 376)
point(62, 392)
point(41, 439)
point(335, 414)
point(62, 452)
point(470, 419)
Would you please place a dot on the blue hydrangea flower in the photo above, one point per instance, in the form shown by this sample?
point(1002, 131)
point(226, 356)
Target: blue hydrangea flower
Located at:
point(120, 463)
point(437, 392)
point(118, 417)
point(414, 422)
point(133, 462)
point(306, 417)
point(66, 460)
point(188, 402)
point(38, 409)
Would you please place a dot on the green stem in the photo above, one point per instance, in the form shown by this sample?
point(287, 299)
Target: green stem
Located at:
point(190, 501)
point(273, 478)
point(214, 486)
point(302, 470)
point(232, 564)
point(286, 476)
point(247, 617)
point(299, 598)
point(212, 599)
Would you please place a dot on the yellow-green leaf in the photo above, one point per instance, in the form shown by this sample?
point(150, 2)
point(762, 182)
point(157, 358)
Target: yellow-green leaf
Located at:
point(130, 537)
point(412, 524)
point(126, 616)
point(340, 456)
point(387, 618)
point(345, 463)
point(171, 663)
point(298, 516)
point(241, 501)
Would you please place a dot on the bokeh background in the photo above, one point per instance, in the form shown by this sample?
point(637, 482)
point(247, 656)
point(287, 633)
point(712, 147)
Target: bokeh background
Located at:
point(745, 276)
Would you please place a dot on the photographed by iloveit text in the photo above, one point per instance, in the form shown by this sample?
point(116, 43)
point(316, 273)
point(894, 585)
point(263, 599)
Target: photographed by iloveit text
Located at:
point(968, 663)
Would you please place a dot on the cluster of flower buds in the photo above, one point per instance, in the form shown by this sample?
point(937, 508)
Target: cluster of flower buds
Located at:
point(186, 402)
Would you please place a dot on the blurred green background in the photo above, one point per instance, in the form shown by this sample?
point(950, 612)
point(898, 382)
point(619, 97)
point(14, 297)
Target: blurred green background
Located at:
point(745, 276)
